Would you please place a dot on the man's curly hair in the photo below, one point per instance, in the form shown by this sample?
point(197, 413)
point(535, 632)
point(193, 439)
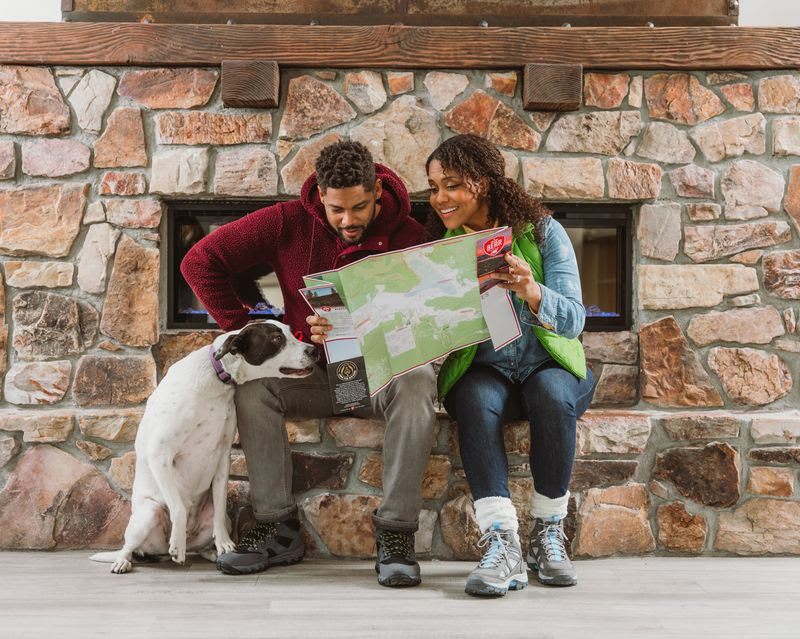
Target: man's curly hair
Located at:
point(345, 164)
point(475, 158)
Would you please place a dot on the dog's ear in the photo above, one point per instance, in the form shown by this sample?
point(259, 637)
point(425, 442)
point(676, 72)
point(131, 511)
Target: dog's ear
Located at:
point(231, 345)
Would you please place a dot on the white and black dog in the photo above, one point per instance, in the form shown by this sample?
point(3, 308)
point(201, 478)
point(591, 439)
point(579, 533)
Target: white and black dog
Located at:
point(184, 440)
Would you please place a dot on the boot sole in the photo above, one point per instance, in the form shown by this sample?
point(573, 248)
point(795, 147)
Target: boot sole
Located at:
point(400, 581)
point(286, 560)
point(559, 580)
point(482, 589)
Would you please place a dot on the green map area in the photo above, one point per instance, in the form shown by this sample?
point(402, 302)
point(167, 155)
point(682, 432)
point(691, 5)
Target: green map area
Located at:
point(413, 306)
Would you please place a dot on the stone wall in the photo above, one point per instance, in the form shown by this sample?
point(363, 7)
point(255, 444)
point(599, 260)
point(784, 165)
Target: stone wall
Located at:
point(692, 444)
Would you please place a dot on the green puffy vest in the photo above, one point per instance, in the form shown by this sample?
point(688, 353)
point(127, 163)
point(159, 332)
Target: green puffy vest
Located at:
point(567, 352)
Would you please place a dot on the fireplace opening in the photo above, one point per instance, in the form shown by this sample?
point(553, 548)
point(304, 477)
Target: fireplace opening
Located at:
point(600, 234)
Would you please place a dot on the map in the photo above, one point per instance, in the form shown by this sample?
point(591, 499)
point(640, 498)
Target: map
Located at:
point(413, 306)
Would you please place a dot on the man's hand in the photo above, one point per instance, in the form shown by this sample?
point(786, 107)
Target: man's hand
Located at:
point(319, 328)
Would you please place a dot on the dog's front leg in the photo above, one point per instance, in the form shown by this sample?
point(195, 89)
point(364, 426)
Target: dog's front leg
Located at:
point(161, 465)
point(219, 499)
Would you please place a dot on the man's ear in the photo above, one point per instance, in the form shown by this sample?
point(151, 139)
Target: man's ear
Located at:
point(321, 194)
point(232, 345)
point(378, 188)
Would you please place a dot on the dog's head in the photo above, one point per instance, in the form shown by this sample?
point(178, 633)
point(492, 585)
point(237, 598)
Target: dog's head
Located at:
point(266, 348)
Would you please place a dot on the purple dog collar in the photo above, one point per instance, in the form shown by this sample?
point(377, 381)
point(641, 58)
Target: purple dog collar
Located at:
point(224, 376)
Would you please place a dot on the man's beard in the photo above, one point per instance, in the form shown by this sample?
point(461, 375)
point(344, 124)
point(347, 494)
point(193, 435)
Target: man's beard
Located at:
point(355, 240)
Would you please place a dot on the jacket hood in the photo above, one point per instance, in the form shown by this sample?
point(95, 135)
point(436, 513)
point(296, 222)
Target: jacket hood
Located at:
point(395, 206)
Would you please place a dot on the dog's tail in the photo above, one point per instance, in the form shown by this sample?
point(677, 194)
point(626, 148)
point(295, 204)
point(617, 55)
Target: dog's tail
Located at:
point(104, 557)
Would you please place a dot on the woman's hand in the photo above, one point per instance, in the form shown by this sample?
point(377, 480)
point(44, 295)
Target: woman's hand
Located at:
point(319, 328)
point(519, 280)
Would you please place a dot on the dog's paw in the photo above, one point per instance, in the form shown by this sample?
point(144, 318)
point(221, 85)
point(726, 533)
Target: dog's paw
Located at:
point(223, 542)
point(121, 566)
point(178, 553)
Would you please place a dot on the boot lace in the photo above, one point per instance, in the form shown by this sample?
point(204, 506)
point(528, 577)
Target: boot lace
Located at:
point(497, 551)
point(553, 540)
point(397, 544)
point(260, 533)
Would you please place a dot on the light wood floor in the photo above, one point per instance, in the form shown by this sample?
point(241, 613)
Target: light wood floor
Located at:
point(64, 595)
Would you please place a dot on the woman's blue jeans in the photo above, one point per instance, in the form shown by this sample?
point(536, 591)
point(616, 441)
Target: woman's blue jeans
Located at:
point(550, 398)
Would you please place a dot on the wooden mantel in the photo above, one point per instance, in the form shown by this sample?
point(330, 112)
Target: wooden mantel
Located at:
point(401, 47)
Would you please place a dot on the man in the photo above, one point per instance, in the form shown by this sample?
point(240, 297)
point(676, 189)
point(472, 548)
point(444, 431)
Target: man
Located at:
point(348, 209)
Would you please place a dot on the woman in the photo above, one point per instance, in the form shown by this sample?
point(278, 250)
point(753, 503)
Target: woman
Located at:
point(541, 377)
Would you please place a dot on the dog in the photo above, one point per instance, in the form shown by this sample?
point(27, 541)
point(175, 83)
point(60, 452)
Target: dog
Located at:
point(178, 501)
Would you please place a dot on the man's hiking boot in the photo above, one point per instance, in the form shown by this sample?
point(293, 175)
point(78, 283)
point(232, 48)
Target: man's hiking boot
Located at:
point(265, 544)
point(501, 569)
point(396, 564)
point(547, 553)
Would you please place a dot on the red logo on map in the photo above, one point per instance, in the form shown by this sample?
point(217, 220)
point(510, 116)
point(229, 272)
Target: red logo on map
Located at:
point(494, 246)
point(325, 308)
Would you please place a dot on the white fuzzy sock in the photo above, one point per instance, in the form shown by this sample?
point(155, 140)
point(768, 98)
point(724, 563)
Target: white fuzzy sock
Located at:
point(545, 508)
point(497, 511)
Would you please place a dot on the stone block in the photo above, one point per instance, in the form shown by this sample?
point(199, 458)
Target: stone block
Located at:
point(614, 521)
point(564, 178)
point(51, 326)
point(297, 170)
point(782, 274)
point(169, 88)
point(343, 522)
point(130, 312)
point(54, 157)
point(319, 471)
point(732, 138)
point(779, 94)
point(743, 326)
point(749, 376)
point(666, 143)
point(707, 475)
point(30, 274)
point(179, 171)
point(207, 127)
point(113, 381)
point(603, 132)
point(41, 220)
point(355, 432)
point(52, 500)
point(605, 90)
point(90, 99)
point(684, 286)
point(691, 426)
point(679, 531)
point(312, 107)
point(37, 382)
point(672, 374)
point(617, 347)
point(679, 97)
point(38, 426)
point(30, 102)
point(760, 526)
point(608, 431)
point(434, 479)
point(123, 470)
point(246, 173)
point(98, 247)
point(122, 183)
point(773, 482)
point(659, 230)
point(119, 425)
point(633, 180)
point(122, 143)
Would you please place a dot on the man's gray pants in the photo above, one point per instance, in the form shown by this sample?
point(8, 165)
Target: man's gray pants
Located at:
point(406, 405)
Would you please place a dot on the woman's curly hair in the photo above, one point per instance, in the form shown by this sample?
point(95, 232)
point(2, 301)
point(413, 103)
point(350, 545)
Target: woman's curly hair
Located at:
point(475, 158)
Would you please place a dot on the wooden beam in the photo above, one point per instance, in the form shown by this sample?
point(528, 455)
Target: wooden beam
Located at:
point(407, 19)
point(410, 12)
point(248, 83)
point(399, 47)
point(552, 87)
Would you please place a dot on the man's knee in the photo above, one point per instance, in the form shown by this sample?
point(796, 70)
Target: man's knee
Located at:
point(417, 386)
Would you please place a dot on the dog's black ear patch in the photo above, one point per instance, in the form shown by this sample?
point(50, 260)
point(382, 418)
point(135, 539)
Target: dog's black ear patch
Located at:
point(259, 342)
point(230, 345)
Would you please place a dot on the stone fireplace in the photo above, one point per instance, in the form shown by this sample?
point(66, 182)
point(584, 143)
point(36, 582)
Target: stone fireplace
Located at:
point(691, 445)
